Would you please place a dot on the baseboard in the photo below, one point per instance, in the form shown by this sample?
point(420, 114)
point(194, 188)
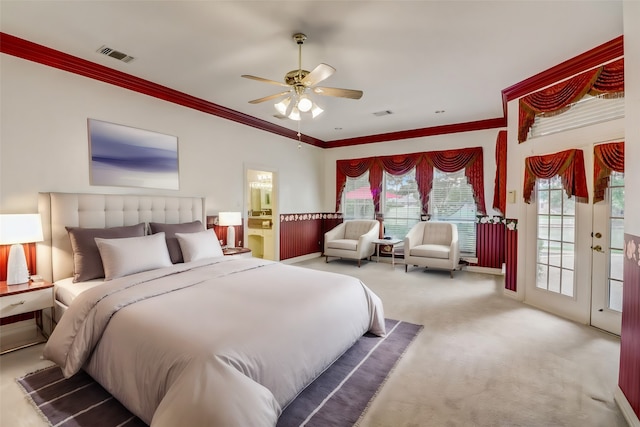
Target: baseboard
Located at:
point(485, 270)
point(625, 408)
point(301, 258)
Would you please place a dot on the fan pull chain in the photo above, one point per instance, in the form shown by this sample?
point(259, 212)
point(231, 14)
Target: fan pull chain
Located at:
point(299, 137)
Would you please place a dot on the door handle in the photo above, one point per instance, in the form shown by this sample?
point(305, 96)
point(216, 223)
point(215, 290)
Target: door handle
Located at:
point(597, 248)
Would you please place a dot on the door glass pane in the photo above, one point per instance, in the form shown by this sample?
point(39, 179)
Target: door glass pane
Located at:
point(616, 240)
point(556, 234)
point(615, 295)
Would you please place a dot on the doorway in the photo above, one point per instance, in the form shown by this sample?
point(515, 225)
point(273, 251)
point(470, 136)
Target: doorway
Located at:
point(575, 267)
point(262, 210)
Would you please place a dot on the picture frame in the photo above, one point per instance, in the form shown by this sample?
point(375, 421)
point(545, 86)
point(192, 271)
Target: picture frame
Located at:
point(125, 156)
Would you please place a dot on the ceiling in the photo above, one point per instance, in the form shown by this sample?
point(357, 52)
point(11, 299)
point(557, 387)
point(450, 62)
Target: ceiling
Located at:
point(412, 58)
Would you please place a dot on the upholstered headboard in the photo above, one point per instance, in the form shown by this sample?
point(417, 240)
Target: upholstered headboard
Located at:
point(60, 210)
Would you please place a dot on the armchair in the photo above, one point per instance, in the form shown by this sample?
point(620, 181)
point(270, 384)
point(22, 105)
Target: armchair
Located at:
point(352, 239)
point(432, 244)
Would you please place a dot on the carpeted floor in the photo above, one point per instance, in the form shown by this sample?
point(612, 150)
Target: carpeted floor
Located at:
point(337, 398)
point(482, 359)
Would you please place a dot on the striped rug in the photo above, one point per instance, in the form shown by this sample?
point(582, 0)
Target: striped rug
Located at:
point(336, 398)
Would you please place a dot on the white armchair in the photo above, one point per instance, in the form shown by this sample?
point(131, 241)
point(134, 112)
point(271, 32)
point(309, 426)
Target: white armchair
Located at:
point(352, 239)
point(432, 244)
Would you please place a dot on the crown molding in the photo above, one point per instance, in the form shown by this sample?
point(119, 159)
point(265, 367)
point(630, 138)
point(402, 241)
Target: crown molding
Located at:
point(25, 49)
point(592, 58)
point(498, 122)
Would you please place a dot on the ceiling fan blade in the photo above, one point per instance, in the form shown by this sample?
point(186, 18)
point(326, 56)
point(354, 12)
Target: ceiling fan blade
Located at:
point(267, 98)
point(318, 74)
point(334, 91)
point(260, 79)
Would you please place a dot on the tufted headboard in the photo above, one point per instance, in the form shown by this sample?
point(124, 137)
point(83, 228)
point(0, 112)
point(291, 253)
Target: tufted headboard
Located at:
point(59, 210)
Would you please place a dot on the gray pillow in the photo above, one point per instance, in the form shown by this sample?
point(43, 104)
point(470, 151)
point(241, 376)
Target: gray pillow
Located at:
point(170, 231)
point(87, 263)
point(122, 257)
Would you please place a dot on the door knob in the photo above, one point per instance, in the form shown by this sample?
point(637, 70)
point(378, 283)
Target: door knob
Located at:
point(598, 235)
point(597, 248)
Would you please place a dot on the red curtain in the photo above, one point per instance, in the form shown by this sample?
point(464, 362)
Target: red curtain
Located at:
point(607, 157)
point(568, 164)
point(608, 79)
point(352, 169)
point(446, 161)
point(452, 161)
point(500, 185)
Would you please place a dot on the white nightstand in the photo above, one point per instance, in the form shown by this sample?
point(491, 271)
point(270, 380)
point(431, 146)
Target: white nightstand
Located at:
point(20, 299)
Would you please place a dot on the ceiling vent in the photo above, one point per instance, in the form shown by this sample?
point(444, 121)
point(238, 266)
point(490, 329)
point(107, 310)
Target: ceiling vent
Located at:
point(115, 54)
point(383, 113)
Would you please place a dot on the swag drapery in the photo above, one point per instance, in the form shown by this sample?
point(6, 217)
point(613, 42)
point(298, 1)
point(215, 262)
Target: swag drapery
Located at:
point(607, 79)
point(500, 184)
point(447, 161)
point(568, 164)
point(607, 158)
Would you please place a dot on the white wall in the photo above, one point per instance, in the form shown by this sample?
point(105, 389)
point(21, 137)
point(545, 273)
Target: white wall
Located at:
point(484, 138)
point(632, 116)
point(44, 143)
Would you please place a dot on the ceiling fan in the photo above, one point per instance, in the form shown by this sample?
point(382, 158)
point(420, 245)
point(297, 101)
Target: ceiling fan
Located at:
point(299, 84)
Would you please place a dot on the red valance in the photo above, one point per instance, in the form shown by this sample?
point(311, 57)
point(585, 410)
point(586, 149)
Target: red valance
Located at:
point(500, 185)
point(349, 168)
point(607, 157)
point(568, 164)
point(607, 79)
point(446, 161)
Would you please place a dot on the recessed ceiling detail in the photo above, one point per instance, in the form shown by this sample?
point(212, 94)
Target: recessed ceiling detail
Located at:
point(115, 54)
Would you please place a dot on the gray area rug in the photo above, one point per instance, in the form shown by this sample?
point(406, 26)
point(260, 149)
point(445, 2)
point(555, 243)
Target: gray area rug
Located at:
point(336, 398)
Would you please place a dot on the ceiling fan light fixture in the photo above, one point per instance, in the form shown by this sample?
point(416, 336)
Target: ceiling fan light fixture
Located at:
point(305, 104)
point(295, 114)
point(316, 110)
point(281, 106)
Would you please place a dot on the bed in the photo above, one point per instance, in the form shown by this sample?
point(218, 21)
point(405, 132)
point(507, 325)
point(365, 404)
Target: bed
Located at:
point(219, 341)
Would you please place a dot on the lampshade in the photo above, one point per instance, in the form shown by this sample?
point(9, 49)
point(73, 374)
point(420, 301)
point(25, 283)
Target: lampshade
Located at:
point(230, 220)
point(14, 230)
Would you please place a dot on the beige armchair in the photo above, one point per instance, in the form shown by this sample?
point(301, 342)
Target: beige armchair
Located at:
point(352, 239)
point(432, 244)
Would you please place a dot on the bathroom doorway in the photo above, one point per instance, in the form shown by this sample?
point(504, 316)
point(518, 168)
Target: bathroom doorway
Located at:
point(262, 213)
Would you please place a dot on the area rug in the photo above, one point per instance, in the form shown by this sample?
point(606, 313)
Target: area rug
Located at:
point(336, 398)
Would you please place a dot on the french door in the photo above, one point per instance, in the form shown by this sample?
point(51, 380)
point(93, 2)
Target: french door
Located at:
point(607, 251)
point(574, 269)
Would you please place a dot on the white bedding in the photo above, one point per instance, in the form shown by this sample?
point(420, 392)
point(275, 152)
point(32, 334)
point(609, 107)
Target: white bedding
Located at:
point(66, 290)
point(226, 342)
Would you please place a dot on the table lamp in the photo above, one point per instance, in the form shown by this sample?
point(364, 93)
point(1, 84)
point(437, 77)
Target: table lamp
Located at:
point(16, 229)
point(230, 220)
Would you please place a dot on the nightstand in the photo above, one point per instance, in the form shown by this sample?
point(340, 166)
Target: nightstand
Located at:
point(20, 299)
point(240, 252)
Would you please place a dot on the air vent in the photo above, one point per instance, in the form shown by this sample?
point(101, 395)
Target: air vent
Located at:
point(383, 113)
point(115, 54)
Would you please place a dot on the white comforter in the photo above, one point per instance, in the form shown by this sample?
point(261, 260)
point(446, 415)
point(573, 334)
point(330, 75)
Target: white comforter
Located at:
point(221, 342)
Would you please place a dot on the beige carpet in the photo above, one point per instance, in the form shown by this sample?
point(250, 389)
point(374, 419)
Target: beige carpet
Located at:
point(482, 359)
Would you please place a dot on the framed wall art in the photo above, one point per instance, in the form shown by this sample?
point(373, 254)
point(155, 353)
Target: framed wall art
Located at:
point(129, 157)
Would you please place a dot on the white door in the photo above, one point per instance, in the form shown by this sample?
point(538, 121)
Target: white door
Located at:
point(558, 253)
point(607, 262)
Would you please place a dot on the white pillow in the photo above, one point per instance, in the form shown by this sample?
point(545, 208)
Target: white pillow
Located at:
point(121, 257)
point(199, 245)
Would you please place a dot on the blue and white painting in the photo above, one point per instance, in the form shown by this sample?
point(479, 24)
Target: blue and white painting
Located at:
point(130, 157)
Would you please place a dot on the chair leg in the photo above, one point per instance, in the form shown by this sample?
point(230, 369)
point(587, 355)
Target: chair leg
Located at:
point(406, 268)
point(359, 263)
point(452, 273)
point(326, 259)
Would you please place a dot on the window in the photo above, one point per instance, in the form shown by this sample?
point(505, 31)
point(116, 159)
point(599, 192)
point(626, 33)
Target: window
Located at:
point(451, 200)
point(587, 111)
point(357, 202)
point(616, 240)
point(556, 237)
point(399, 201)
